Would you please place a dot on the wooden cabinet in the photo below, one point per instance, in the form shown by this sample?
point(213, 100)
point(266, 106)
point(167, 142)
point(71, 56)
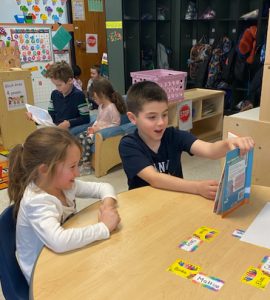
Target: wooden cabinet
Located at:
point(247, 123)
point(207, 112)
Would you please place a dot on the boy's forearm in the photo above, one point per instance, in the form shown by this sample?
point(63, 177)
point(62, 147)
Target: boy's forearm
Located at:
point(172, 183)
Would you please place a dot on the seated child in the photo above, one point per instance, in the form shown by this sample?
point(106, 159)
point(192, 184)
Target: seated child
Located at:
point(76, 80)
point(95, 74)
point(43, 188)
point(68, 107)
point(111, 105)
point(152, 154)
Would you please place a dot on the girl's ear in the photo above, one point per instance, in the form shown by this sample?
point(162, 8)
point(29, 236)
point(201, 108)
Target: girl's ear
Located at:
point(42, 169)
point(132, 117)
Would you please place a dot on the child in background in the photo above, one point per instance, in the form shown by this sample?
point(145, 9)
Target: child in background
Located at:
point(43, 188)
point(95, 74)
point(152, 155)
point(111, 105)
point(76, 80)
point(68, 107)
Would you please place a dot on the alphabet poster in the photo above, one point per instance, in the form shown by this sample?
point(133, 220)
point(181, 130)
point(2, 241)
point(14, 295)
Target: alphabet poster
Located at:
point(34, 44)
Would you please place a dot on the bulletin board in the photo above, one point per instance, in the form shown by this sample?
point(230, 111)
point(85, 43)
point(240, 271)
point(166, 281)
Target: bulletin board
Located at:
point(54, 10)
point(36, 52)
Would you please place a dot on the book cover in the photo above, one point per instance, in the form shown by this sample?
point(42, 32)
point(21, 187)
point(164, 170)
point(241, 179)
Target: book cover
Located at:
point(235, 183)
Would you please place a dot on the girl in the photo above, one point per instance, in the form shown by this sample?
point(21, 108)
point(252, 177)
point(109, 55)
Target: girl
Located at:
point(43, 188)
point(111, 105)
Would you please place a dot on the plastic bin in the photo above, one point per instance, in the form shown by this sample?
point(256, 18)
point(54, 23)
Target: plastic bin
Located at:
point(173, 82)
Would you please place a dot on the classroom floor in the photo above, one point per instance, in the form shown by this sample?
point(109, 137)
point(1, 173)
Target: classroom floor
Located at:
point(193, 168)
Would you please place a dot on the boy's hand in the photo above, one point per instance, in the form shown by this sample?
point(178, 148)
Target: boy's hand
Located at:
point(29, 116)
point(109, 216)
point(207, 188)
point(243, 143)
point(65, 124)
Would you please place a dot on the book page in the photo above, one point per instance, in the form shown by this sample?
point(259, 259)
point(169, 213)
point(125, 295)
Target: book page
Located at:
point(40, 115)
point(257, 233)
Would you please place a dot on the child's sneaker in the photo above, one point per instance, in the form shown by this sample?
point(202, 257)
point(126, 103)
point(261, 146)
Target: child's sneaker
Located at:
point(85, 168)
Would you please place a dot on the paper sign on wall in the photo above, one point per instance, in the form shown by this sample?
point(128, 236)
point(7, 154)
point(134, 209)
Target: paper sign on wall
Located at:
point(15, 94)
point(184, 110)
point(78, 10)
point(91, 43)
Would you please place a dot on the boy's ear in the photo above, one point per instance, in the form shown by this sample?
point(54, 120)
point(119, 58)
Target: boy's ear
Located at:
point(132, 117)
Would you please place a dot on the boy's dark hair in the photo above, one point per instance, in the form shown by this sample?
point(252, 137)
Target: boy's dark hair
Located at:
point(97, 68)
point(76, 71)
point(144, 92)
point(103, 87)
point(60, 71)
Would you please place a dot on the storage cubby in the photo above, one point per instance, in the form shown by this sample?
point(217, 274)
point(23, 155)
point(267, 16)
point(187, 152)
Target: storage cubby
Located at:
point(207, 112)
point(227, 21)
point(145, 24)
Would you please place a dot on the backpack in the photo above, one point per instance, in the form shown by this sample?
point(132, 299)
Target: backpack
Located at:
point(199, 58)
point(217, 62)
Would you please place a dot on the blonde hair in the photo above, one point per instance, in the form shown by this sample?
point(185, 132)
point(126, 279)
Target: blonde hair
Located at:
point(47, 146)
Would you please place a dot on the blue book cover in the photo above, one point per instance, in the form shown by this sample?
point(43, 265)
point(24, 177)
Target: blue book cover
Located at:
point(235, 184)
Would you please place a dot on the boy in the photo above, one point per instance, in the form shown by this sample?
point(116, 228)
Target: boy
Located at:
point(67, 107)
point(95, 74)
point(151, 155)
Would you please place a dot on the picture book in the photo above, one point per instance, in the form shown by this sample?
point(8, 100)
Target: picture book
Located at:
point(40, 115)
point(235, 182)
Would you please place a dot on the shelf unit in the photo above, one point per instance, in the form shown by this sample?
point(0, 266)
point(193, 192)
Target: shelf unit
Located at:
point(207, 112)
point(226, 22)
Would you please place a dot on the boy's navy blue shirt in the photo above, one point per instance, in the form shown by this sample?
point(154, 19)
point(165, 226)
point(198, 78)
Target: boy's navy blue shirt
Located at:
point(136, 155)
point(72, 107)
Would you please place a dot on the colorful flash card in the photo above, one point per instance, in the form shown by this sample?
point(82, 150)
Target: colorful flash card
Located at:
point(265, 265)
point(206, 234)
point(255, 277)
point(184, 269)
point(238, 233)
point(190, 244)
point(209, 282)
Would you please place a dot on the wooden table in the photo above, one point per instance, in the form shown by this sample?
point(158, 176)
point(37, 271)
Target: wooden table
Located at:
point(132, 263)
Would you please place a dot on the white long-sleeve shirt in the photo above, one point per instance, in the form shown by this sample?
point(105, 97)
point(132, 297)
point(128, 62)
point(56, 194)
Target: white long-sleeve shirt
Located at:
point(40, 220)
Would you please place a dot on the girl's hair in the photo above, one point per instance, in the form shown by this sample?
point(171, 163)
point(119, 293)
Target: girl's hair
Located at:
point(76, 71)
point(49, 146)
point(60, 71)
point(103, 87)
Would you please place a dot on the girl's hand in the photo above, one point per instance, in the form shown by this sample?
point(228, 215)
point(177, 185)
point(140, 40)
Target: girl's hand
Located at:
point(90, 130)
point(207, 188)
point(110, 217)
point(110, 202)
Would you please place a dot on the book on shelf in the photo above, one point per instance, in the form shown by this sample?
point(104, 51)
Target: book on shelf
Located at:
point(40, 115)
point(235, 182)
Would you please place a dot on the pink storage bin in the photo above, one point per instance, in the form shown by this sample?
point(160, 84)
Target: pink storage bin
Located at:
point(173, 82)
